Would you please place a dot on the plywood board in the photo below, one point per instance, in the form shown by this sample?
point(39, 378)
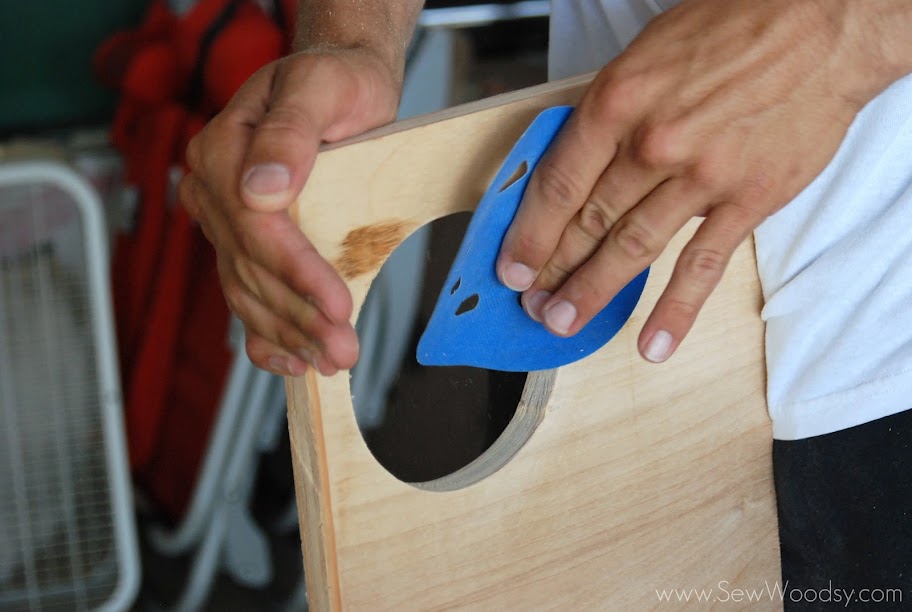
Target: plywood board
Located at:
point(617, 479)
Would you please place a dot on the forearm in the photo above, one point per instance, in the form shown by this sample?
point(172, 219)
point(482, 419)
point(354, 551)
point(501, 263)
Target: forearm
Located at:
point(890, 31)
point(382, 26)
point(879, 49)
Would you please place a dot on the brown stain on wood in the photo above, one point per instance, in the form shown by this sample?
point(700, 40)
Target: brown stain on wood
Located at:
point(365, 248)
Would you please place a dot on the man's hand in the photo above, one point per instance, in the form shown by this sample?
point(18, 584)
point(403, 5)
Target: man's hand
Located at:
point(722, 108)
point(247, 167)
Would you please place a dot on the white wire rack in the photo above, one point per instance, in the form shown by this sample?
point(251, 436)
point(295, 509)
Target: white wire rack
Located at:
point(67, 536)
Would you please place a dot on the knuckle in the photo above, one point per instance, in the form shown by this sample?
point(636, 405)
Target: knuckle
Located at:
point(244, 271)
point(636, 240)
point(287, 337)
point(709, 174)
point(618, 98)
point(220, 125)
point(194, 153)
point(658, 145)
point(681, 309)
point(589, 290)
point(529, 247)
point(760, 183)
point(556, 187)
point(287, 121)
point(597, 217)
point(257, 351)
point(556, 272)
point(234, 297)
point(704, 265)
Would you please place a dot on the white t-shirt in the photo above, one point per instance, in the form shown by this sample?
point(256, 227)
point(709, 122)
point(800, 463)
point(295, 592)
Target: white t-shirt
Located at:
point(835, 264)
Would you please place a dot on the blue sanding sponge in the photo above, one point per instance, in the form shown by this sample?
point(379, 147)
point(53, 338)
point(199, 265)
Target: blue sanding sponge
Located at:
point(479, 322)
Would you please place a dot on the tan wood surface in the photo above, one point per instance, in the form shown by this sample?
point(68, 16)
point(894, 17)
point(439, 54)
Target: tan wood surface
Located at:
point(615, 479)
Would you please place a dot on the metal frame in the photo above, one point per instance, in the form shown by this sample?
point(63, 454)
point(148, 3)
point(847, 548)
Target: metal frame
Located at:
point(95, 244)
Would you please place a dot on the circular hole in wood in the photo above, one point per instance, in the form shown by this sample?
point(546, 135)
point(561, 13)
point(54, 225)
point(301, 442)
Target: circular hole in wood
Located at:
point(440, 427)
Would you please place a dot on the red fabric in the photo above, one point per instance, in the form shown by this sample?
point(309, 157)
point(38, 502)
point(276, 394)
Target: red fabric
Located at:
point(172, 320)
point(247, 43)
point(150, 145)
point(114, 55)
point(201, 360)
point(158, 344)
point(154, 75)
point(193, 27)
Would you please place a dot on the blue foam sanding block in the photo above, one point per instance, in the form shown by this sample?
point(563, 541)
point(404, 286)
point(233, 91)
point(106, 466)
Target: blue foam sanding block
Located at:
point(479, 322)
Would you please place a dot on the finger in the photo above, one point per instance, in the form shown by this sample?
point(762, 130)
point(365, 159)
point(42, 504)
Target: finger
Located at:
point(697, 273)
point(217, 152)
point(558, 188)
point(273, 241)
point(190, 195)
point(619, 189)
point(338, 343)
point(632, 244)
point(262, 322)
point(269, 357)
point(307, 98)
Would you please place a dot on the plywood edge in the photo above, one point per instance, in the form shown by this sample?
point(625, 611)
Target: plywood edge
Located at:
point(529, 414)
point(312, 492)
point(579, 82)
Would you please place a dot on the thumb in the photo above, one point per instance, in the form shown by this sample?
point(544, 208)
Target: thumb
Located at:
point(306, 100)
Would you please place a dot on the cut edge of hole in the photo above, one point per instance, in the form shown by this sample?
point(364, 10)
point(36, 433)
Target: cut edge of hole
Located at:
point(529, 413)
point(528, 416)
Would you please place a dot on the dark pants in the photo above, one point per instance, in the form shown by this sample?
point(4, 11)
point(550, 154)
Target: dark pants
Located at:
point(845, 516)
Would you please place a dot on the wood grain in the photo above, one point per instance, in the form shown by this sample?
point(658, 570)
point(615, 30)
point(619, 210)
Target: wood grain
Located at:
point(618, 477)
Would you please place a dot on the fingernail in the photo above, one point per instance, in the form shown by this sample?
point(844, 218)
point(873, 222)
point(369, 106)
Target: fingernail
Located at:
point(267, 180)
point(279, 365)
point(352, 342)
point(297, 367)
point(659, 347)
point(560, 316)
point(309, 357)
point(518, 277)
point(534, 302)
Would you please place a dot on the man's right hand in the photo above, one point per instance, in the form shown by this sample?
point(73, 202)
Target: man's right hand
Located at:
point(247, 167)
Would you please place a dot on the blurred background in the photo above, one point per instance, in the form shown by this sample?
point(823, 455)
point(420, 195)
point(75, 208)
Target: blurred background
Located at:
point(144, 462)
